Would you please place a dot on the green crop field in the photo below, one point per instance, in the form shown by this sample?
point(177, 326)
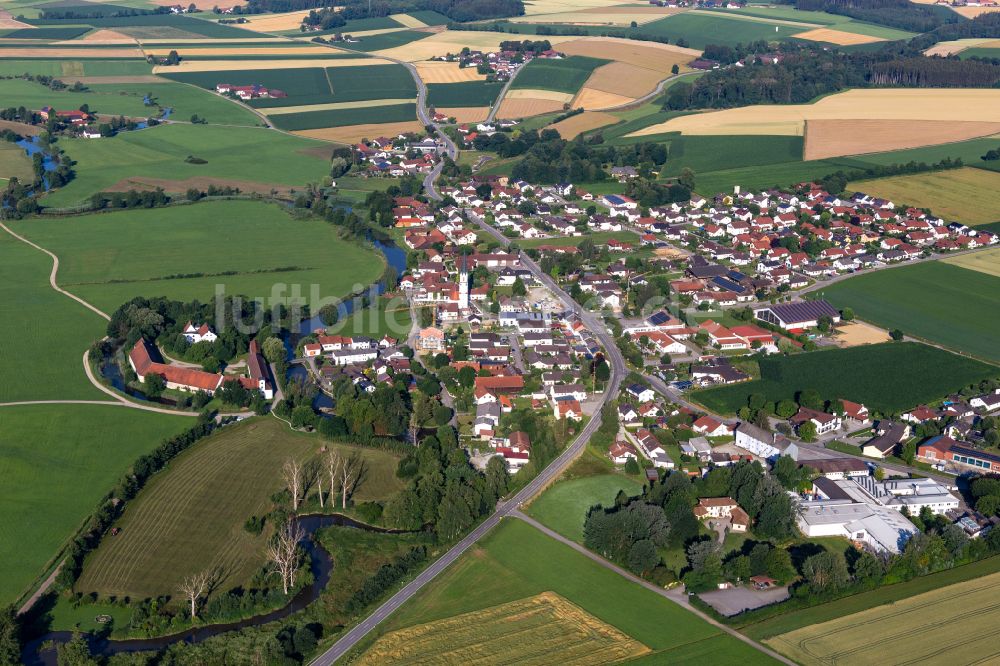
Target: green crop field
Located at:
point(497, 571)
point(185, 101)
point(233, 154)
point(19, 92)
point(785, 14)
point(387, 40)
point(152, 26)
point(392, 113)
point(353, 84)
point(946, 304)
point(979, 53)
point(467, 93)
point(68, 32)
point(563, 507)
point(567, 75)
point(711, 153)
point(699, 30)
point(247, 247)
point(970, 151)
point(167, 533)
point(430, 17)
point(64, 68)
point(888, 378)
point(954, 194)
point(14, 163)
point(58, 461)
point(303, 85)
point(44, 332)
point(772, 175)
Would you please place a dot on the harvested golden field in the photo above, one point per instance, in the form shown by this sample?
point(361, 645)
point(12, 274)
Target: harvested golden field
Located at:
point(543, 629)
point(984, 261)
point(644, 54)
point(354, 133)
point(973, 12)
point(408, 21)
point(466, 114)
point(71, 54)
point(859, 333)
point(275, 22)
point(524, 108)
point(105, 36)
point(621, 78)
point(8, 22)
point(442, 43)
point(962, 195)
point(239, 51)
point(588, 98)
point(236, 65)
point(535, 7)
point(836, 138)
point(436, 71)
point(582, 122)
point(956, 46)
point(361, 104)
point(868, 104)
point(838, 37)
point(534, 93)
point(953, 625)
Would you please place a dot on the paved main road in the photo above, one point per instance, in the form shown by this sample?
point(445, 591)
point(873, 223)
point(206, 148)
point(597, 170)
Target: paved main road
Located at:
point(506, 507)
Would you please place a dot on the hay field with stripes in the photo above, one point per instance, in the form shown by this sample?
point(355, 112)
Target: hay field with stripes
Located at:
point(190, 517)
point(953, 625)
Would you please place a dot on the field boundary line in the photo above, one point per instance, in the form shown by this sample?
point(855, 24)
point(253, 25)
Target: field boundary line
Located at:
point(55, 272)
point(676, 598)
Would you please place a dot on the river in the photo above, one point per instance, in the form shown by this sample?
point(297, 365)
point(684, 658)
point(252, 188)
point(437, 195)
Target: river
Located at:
point(320, 565)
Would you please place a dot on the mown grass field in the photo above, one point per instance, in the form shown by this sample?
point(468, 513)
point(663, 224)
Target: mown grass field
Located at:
point(952, 306)
point(248, 248)
point(955, 195)
point(167, 532)
point(516, 561)
point(563, 507)
point(44, 332)
point(185, 102)
point(699, 30)
point(392, 113)
point(567, 75)
point(233, 154)
point(953, 624)
point(14, 163)
point(886, 595)
point(467, 93)
point(57, 462)
point(888, 378)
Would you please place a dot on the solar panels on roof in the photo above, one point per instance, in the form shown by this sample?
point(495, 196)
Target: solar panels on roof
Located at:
point(658, 318)
point(792, 313)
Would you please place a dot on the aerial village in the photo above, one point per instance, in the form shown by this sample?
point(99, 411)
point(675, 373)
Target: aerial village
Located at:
point(744, 254)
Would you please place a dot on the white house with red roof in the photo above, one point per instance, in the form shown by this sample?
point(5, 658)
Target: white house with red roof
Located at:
point(200, 333)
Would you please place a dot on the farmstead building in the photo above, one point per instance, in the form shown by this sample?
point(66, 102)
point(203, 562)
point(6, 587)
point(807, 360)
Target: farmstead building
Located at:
point(805, 314)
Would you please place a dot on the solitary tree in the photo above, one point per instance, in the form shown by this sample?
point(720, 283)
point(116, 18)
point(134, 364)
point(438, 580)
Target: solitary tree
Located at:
point(807, 431)
point(283, 553)
point(350, 470)
point(291, 473)
point(155, 385)
point(195, 586)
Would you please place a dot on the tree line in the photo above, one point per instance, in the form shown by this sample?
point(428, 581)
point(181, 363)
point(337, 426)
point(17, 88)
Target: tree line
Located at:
point(900, 14)
point(552, 159)
point(806, 72)
point(456, 10)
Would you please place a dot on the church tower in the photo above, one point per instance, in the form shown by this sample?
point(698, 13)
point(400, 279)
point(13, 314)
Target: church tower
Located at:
point(463, 283)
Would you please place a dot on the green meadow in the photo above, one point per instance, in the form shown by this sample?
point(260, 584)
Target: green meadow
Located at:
point(563, 507)
point(253, 155)
point(44, 333)
point(247, 247)
point(185, 102)
point(58, 461)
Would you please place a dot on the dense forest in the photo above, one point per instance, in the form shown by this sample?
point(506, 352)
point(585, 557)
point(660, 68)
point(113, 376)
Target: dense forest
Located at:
point(900, 14)
point(456, 10)
point(806, 72)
